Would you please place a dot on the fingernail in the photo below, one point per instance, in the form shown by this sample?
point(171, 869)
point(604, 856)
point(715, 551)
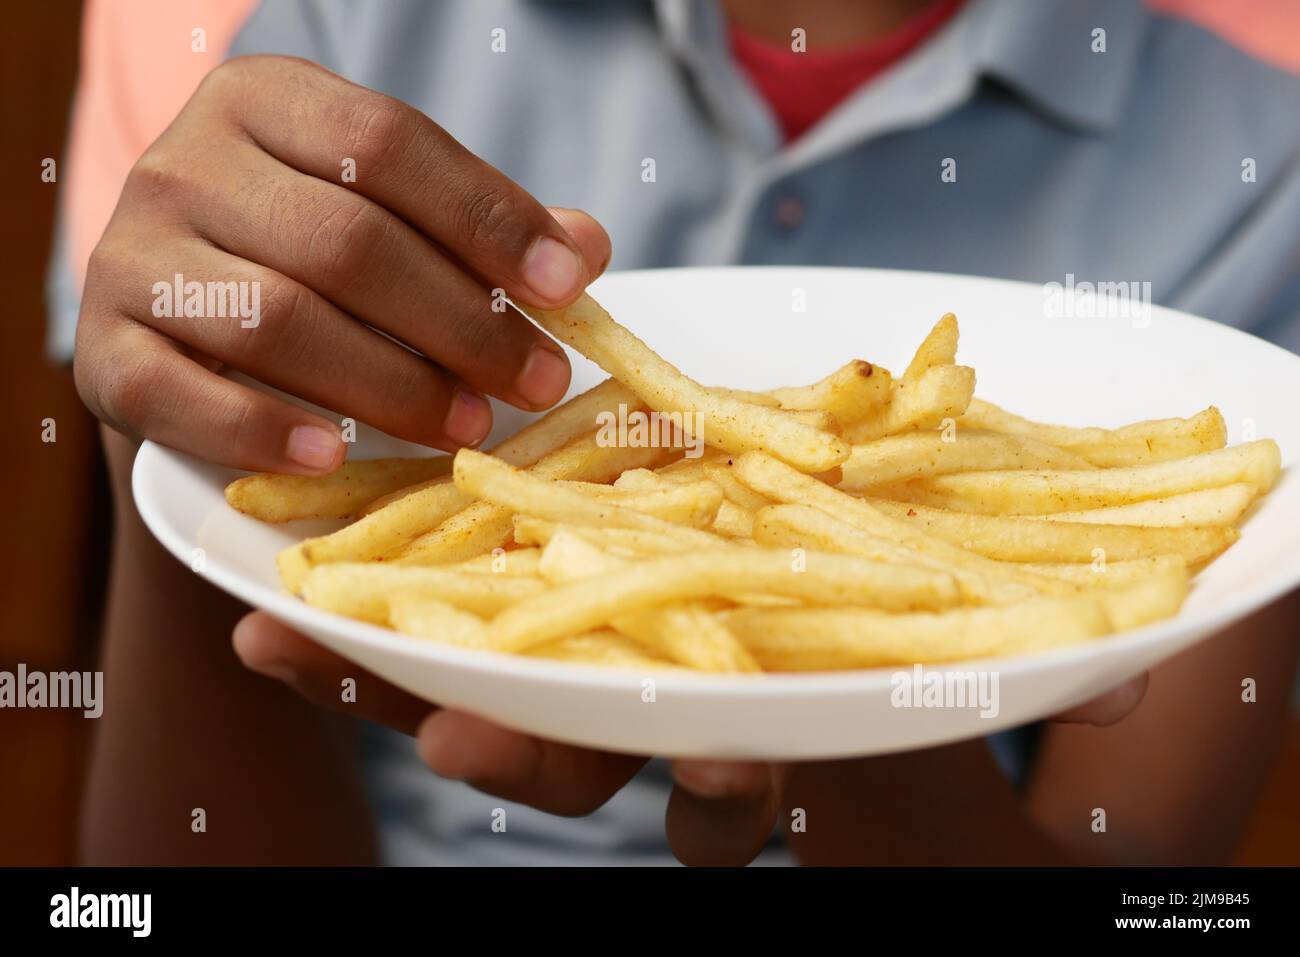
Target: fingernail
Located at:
point(469, 419)
point(707, 780)
point(313, 447)
point(544, 379)
point(552, 270)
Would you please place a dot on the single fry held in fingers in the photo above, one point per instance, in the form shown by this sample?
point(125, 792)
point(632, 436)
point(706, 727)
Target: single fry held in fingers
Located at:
point(859, 521)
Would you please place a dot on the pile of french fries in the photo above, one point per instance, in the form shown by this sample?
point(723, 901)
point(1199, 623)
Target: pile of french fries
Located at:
point(865, 520)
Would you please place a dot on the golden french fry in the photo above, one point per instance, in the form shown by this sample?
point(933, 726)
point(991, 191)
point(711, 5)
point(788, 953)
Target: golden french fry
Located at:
point(375, 536)
point(1103, 574)
point(604, 648)
point(938, 394)
point(826, 639)
point(561, 425)
point(419, 616)
point(1013, 538)
point(806, 527)
point(482, 526)
point(502, 561)
point(362, 590)
point(274, 498)
point(690, 469)
point(1155, 597)
point(687, 634)
point(1223, 505)
point(897, 458)
point(825, 578)
point(727, 423)
point(735, 490)
point(1041, 492)
point(938, 348)
point(764, 399)
point(733, 521)
point(628, 541)
point(849, 393)
point(513, 491)
point(1157, 440)
point(778, 481)
point(777, 547)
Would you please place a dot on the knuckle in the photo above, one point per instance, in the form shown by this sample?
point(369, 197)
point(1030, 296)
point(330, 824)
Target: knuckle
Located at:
point(127, 388)
point(218, 82)
point(480, 331)
point(237, 420)
point(379, 129)
point(154, 179)
point(349, 239)
point(487, 217)
point(291, 322)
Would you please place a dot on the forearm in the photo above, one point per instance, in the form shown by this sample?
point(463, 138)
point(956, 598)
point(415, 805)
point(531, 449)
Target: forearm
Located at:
point(1173, 783)
point(186, 727)
point(946, 805)
point(1179, 778)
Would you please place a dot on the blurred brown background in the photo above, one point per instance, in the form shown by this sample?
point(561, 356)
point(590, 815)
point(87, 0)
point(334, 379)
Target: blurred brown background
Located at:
point(55, 524)
point(53, 494)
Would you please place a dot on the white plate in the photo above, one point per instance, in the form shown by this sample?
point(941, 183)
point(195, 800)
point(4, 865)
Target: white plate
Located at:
point(743, 328)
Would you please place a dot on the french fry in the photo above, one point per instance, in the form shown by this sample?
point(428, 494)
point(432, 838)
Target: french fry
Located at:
point(833, 579)
point(1223, 505)
point(687, 634)
point(482, 526)
point(630, 541)
point(362, 590)
point(514, 561)
point(938, 348)
point(1151, 599)
point(274, 498)
point(1157, 440)
point(729, 424)
point(604, 648)
point(558, 427)
point(938, 394)
point(1012, 538)
point(1106, 574)
point(419, 616)
point(1042, 492)
point(776, 480)
point(733, 521)
point(897, 458)
point(735, 490)
point(849, 393)
point(824, 639)
point(514, 491)
point(561, 425)
point(950, 529)
point(801, 526)
point(374, 537)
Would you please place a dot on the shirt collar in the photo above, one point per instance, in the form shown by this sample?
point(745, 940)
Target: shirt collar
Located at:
point(1041, 50)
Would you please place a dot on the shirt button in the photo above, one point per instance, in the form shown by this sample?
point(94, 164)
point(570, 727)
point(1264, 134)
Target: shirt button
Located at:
point(789, 212)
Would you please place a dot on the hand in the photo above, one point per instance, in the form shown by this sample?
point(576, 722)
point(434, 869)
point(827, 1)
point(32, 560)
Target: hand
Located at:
point(248, 186)
point(719, 813)
point(735, 804)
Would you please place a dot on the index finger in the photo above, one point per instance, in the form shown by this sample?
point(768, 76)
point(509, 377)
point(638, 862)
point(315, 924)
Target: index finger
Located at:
point(407, 163)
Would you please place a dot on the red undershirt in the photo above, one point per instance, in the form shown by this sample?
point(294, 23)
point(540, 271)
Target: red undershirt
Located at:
point(801, 88)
